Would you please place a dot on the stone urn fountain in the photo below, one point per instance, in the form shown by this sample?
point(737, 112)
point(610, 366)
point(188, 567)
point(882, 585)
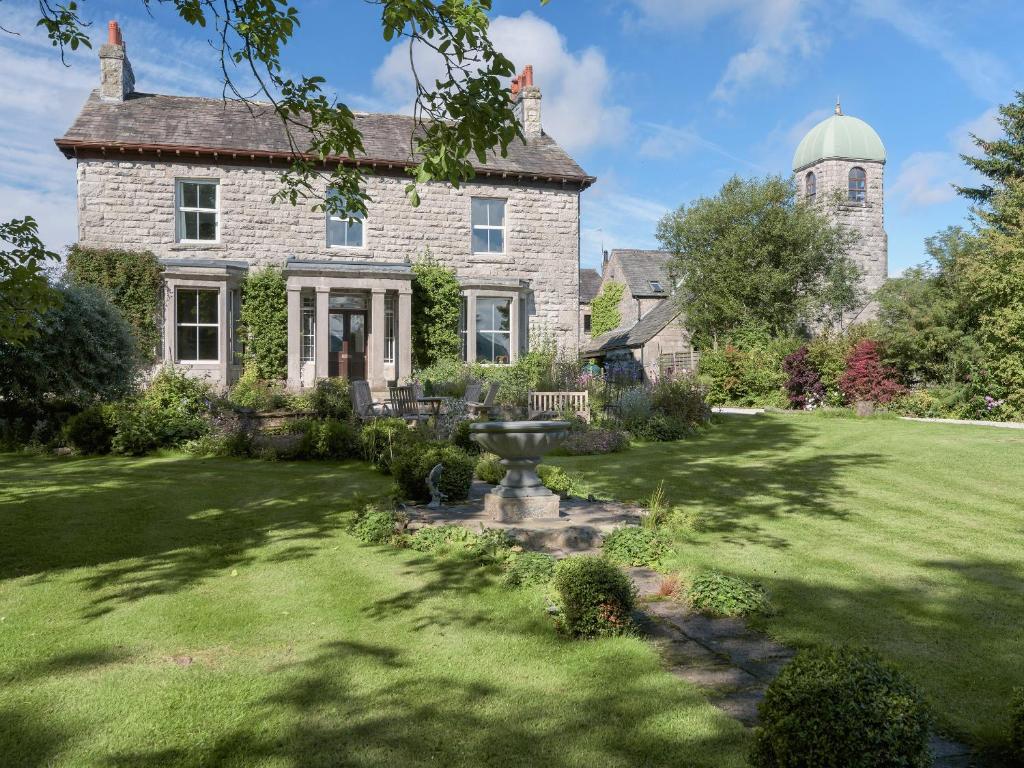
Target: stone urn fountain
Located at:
point(520, 446)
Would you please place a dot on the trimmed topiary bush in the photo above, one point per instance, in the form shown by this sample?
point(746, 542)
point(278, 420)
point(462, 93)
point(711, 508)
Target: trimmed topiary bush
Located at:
point(525, 569)
point(489, 469)
point(842, 708)
point(635, 546)
point(91, 431)
point(414, 463)
point(716, 594)
point(596, 597)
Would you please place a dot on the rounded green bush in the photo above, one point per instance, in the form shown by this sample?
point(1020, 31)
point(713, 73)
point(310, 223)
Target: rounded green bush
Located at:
point(634, 546)
point(841, 708)
point(331, 399)
point(596, 597)
point(716, 594)
point(91, 431)
point(414, 462)
point(489, 469)
point(524, 569)
point(375, 526)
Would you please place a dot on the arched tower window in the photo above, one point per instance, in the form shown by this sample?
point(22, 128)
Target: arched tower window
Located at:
point(810, 185)
point(858, 189)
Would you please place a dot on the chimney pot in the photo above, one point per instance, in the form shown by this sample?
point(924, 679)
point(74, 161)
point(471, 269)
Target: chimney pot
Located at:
point(526, 102)
point(116, 77)
point(114, 33)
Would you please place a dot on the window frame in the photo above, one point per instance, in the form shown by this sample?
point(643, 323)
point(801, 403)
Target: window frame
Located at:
point(180, 208)
point(390, 327)
point(857, 196)
point(307, 336)
point(348, 221)
point(179, 324)
point(508, 333)
point(811, 186)
point(489, 227)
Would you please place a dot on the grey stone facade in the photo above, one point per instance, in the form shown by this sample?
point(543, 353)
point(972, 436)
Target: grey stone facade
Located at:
point(871, 251)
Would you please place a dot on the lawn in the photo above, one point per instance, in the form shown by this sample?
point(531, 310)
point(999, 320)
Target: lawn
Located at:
point(180, 612)
point(906, 537)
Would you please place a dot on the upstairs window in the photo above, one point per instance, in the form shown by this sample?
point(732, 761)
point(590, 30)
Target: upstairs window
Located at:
point(198, 211)
point(810, 186)
point(198, 325)
point(488, 225)
point(344, 231)
point(858, 190)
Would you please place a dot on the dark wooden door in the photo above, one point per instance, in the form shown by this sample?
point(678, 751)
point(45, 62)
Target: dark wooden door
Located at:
point(347, 349)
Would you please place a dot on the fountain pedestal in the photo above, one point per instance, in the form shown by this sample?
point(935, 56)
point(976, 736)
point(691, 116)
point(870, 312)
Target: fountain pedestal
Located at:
point(520, 445)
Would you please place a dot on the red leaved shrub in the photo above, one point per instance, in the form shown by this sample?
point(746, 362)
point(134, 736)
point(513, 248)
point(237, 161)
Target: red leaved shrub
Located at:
point(865, 378)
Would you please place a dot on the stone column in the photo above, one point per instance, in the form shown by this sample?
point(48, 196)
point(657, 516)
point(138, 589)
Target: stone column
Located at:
point(170, 331)
point(294, 337)
point(223, 340)
point(403, 336)
point(470, 326)
point(322, 332)
point(514, 329)
point(375, 347)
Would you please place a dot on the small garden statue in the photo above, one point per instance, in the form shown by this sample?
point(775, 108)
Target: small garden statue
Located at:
point(436, 496)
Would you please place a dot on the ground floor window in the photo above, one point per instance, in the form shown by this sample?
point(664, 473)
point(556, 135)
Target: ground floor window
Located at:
point(390, 300)
point(198, 325)
point(493, 330)
point(307, 353)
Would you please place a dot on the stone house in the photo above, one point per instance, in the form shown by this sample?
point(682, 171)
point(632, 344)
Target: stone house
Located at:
point(191, 180)
point(650, 333)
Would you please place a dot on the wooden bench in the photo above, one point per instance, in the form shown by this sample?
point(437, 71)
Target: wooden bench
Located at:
point(554, 404)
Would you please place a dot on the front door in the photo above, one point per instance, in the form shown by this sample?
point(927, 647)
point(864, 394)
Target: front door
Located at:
point(347, 352)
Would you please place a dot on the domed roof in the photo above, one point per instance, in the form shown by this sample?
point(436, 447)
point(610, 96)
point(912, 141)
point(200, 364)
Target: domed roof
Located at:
point(839, 137)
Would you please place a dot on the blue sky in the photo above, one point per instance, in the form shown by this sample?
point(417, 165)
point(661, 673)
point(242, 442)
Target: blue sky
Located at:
point(662, 100)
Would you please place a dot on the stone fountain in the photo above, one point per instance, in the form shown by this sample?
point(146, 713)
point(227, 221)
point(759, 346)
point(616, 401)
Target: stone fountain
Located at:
point(520, 446)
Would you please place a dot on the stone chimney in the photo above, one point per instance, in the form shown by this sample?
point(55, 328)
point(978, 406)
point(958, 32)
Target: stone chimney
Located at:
point(116, 77)
point(526, 102)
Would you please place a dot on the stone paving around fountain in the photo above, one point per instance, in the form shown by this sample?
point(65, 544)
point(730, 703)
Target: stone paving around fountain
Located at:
point(732, 663)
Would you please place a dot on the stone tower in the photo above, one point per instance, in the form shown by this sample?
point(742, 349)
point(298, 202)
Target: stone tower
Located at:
point(844, 154)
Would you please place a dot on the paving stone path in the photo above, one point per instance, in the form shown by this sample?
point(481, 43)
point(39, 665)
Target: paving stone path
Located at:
point(732, 663)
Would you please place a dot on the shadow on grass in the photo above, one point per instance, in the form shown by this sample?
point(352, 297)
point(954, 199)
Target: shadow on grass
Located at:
point(154, 526)
point(336, 718)
point(736, 475)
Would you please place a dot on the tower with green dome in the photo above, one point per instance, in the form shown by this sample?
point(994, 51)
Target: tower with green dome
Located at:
point(843, 154)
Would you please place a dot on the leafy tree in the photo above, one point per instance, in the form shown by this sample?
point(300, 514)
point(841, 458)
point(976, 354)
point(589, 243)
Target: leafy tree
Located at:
point(131, 280)
point(1002, 160)
point(757, 254)
point(82, 352)
point(604, 309)
point(265, 323)
point(465, 112)
point(436, 304)
point(923, 324)
point(24, 290)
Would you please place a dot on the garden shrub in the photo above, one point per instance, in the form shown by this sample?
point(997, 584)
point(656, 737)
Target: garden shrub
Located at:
point(264, 323)
point(374, 525)
point(866, 379)
point(747, 370)
point(131, 280)
point(1017, 726)
point(827, 353)
point(460, 436)
point(382, 439)
point(136, 429)
point(489, 469)
point(635, 406)
point(444, 378)
point(255, 393)
point(634, 546)
point(803, 383)
point(593, 442)
point(454, 540)
point(841, 708)
point(681, 399)
point(436, 304)
point(414, 462)
point(921, 403)
point(596, 597)
point(527, 569)
point(90, 431)
point(173, 409)
point(661, 428)
point(327, 439)
point(559, 481)
point(716, 594)
point(330, 399)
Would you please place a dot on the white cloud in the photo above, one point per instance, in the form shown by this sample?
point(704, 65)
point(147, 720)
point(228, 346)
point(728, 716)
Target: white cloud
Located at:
point(777, 34)
point(577, 107)
point(984, 126)
point(615, 218)
point(985, 74)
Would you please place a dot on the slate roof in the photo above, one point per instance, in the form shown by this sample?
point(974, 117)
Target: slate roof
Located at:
point(590, 285)
point(152, 123)
point(640, 267)
point(645, 329)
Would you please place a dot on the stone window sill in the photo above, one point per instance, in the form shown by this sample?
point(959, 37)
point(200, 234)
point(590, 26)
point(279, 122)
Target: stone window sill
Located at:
point(198, 247)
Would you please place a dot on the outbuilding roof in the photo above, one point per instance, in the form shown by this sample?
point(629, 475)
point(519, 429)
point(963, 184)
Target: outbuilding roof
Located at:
point(590, 285)
point(171, 126)
point(645, 329)
point(644, 271)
